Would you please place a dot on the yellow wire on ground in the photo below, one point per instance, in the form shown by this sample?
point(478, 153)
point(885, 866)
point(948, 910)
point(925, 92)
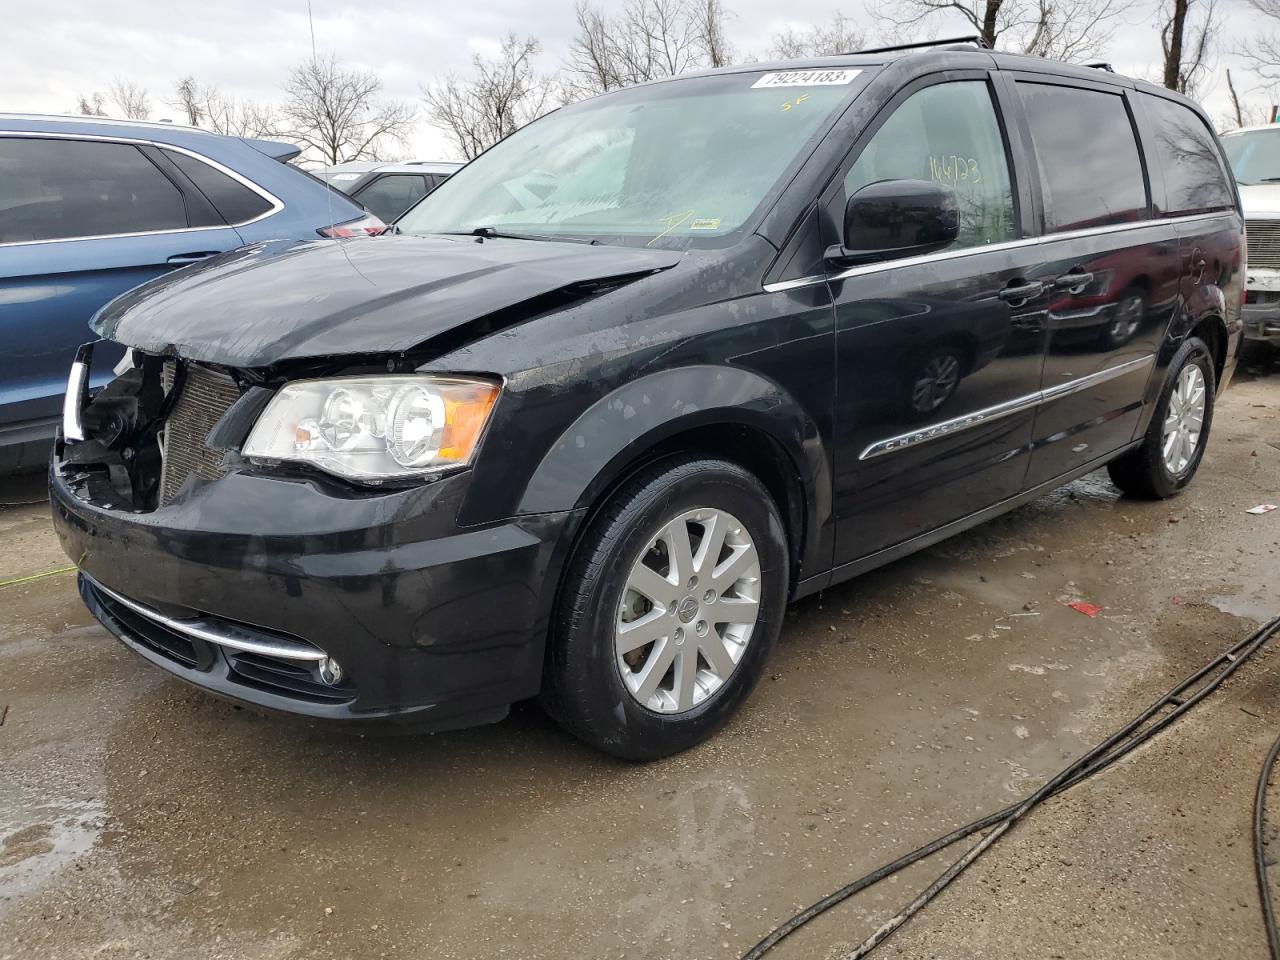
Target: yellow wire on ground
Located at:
point(37, 576)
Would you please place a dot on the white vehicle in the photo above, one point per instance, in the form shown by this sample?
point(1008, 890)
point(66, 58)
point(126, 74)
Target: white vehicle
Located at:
point(1254, 153)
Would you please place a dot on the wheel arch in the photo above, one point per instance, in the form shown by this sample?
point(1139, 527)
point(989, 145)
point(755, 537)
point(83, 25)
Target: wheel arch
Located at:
point(1212, 329)
point(710, 410)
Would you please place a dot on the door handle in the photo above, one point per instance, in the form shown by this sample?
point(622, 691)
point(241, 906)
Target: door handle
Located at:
point(1073, 280)
point(1021, 291)
point(180, 258)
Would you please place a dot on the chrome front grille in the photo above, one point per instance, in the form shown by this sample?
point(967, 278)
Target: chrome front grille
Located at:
point(203, 397)
point(1264, 243)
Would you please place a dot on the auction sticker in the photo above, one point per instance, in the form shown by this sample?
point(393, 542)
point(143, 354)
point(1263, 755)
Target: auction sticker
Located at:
point(807, 78)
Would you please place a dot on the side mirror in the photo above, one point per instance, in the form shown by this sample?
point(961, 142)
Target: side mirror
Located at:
point(893, 218)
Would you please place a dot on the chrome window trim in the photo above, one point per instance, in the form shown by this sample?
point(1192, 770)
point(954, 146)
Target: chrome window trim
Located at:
point(200, 629)
point(276, 203)
point(944, 255)
point(1001, 410)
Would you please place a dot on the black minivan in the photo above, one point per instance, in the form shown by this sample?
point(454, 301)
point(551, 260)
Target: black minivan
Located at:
point(644, 372)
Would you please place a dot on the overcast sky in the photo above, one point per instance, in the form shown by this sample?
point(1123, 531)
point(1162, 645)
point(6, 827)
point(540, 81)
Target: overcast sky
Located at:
point(55, 51)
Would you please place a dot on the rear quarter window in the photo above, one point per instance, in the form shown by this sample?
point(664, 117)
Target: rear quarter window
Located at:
point(1195, 180)
point(1090, 170)
point(236, 202)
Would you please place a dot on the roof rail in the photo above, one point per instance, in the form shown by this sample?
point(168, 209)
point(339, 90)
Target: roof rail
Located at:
point(1101, 65)
point(974, 39)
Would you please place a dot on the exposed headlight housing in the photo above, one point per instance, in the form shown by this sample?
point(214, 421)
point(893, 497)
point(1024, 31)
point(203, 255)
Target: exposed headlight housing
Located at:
point(377, 427)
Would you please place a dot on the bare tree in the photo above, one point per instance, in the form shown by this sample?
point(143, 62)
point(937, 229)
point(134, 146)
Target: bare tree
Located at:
point(237, 117)
point(1061, 29)
point(1250, 107)
point(131, 99)
point(646, 40)
point(1237, 111)
point(1187, 42)
point(337, 112)
point(94, 105)
point(503, 94)
point(709, 17)
point(839, 35)
point(188, 97)
point(1262, 52)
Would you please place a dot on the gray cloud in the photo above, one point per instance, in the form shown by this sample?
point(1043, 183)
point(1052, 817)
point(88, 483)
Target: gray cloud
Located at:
point(55, 52)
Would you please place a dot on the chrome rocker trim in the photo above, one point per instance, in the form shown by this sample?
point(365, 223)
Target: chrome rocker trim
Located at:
point(1002, 410)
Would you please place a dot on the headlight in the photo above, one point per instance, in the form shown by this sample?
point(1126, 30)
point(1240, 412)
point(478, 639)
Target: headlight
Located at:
point(375, 428)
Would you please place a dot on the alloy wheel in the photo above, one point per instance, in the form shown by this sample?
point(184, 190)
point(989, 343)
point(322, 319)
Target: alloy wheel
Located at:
point(688, 611)
point(1185, 420)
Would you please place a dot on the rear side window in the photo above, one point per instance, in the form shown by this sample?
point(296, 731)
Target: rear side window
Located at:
point(1090, 168)
point(947, 133)
point(389, 196)
point(236, 202)
point(1194, 180)
point(62, 189)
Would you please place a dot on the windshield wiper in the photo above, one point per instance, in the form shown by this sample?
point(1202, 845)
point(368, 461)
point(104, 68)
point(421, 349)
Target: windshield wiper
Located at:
point(495, 233)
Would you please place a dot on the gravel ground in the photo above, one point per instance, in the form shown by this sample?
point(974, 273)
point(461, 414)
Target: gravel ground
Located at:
point(141, 818)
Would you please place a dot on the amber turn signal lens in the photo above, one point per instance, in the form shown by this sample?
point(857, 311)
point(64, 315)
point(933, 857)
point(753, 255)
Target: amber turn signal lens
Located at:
point(466, 410)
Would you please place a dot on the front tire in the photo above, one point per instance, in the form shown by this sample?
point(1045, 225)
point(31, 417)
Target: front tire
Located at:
point(670, 607)
point(1174, 443)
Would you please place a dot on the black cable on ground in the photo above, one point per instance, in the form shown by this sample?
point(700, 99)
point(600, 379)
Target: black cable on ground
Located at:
point(1138, 731)
point(1259, 860)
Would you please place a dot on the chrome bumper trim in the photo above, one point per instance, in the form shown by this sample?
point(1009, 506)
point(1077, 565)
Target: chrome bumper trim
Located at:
point(220, 634)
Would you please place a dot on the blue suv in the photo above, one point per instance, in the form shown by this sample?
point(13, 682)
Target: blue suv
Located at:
point(91, 207)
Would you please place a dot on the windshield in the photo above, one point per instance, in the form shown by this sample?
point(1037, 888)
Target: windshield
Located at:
point(1254, 156)
point(666, 164)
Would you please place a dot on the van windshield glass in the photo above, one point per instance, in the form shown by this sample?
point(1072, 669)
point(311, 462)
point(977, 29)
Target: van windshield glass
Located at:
point(1254, 156)
point(666, 164)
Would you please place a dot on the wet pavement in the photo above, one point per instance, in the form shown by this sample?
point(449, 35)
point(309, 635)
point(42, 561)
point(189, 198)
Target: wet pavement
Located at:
point(141, 818)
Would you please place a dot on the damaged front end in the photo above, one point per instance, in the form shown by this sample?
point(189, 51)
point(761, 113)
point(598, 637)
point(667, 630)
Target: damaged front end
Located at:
point(137, 442)
point(284, 587)
point(111, 444)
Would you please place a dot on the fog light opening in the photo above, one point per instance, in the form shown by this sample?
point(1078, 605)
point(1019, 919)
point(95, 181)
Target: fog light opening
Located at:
point(330, 672)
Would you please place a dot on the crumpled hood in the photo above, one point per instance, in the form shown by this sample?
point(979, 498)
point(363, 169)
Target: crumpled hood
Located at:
point(286, 300)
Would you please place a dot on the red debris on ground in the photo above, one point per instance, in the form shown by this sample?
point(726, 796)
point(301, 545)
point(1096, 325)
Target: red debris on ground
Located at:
point(1088, 609)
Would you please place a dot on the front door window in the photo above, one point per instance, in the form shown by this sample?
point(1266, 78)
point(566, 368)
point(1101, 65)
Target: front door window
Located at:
point(947, 134)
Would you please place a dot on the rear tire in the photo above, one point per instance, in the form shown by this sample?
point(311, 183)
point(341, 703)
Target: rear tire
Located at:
point(643, 700)
point(1164, 464)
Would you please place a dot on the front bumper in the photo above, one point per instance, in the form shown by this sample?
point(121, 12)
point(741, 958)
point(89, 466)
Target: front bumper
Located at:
point(1262, 321)
point(433, 625)
point(1261, 311)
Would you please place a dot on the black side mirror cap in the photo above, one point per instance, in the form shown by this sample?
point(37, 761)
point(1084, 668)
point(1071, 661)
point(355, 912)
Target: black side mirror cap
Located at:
point(893, 218)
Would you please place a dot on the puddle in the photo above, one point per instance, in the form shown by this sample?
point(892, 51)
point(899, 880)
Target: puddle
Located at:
point(1248, 604)
point(50, 840)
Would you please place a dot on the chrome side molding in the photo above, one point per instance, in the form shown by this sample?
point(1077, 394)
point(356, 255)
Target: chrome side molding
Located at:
point(1002, 410)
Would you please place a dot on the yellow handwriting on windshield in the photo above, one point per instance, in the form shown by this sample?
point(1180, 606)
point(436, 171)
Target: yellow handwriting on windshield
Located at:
point(795, 103)
point(672, 221)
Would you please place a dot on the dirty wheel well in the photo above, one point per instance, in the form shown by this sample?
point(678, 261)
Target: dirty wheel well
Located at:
point(1210, 331)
